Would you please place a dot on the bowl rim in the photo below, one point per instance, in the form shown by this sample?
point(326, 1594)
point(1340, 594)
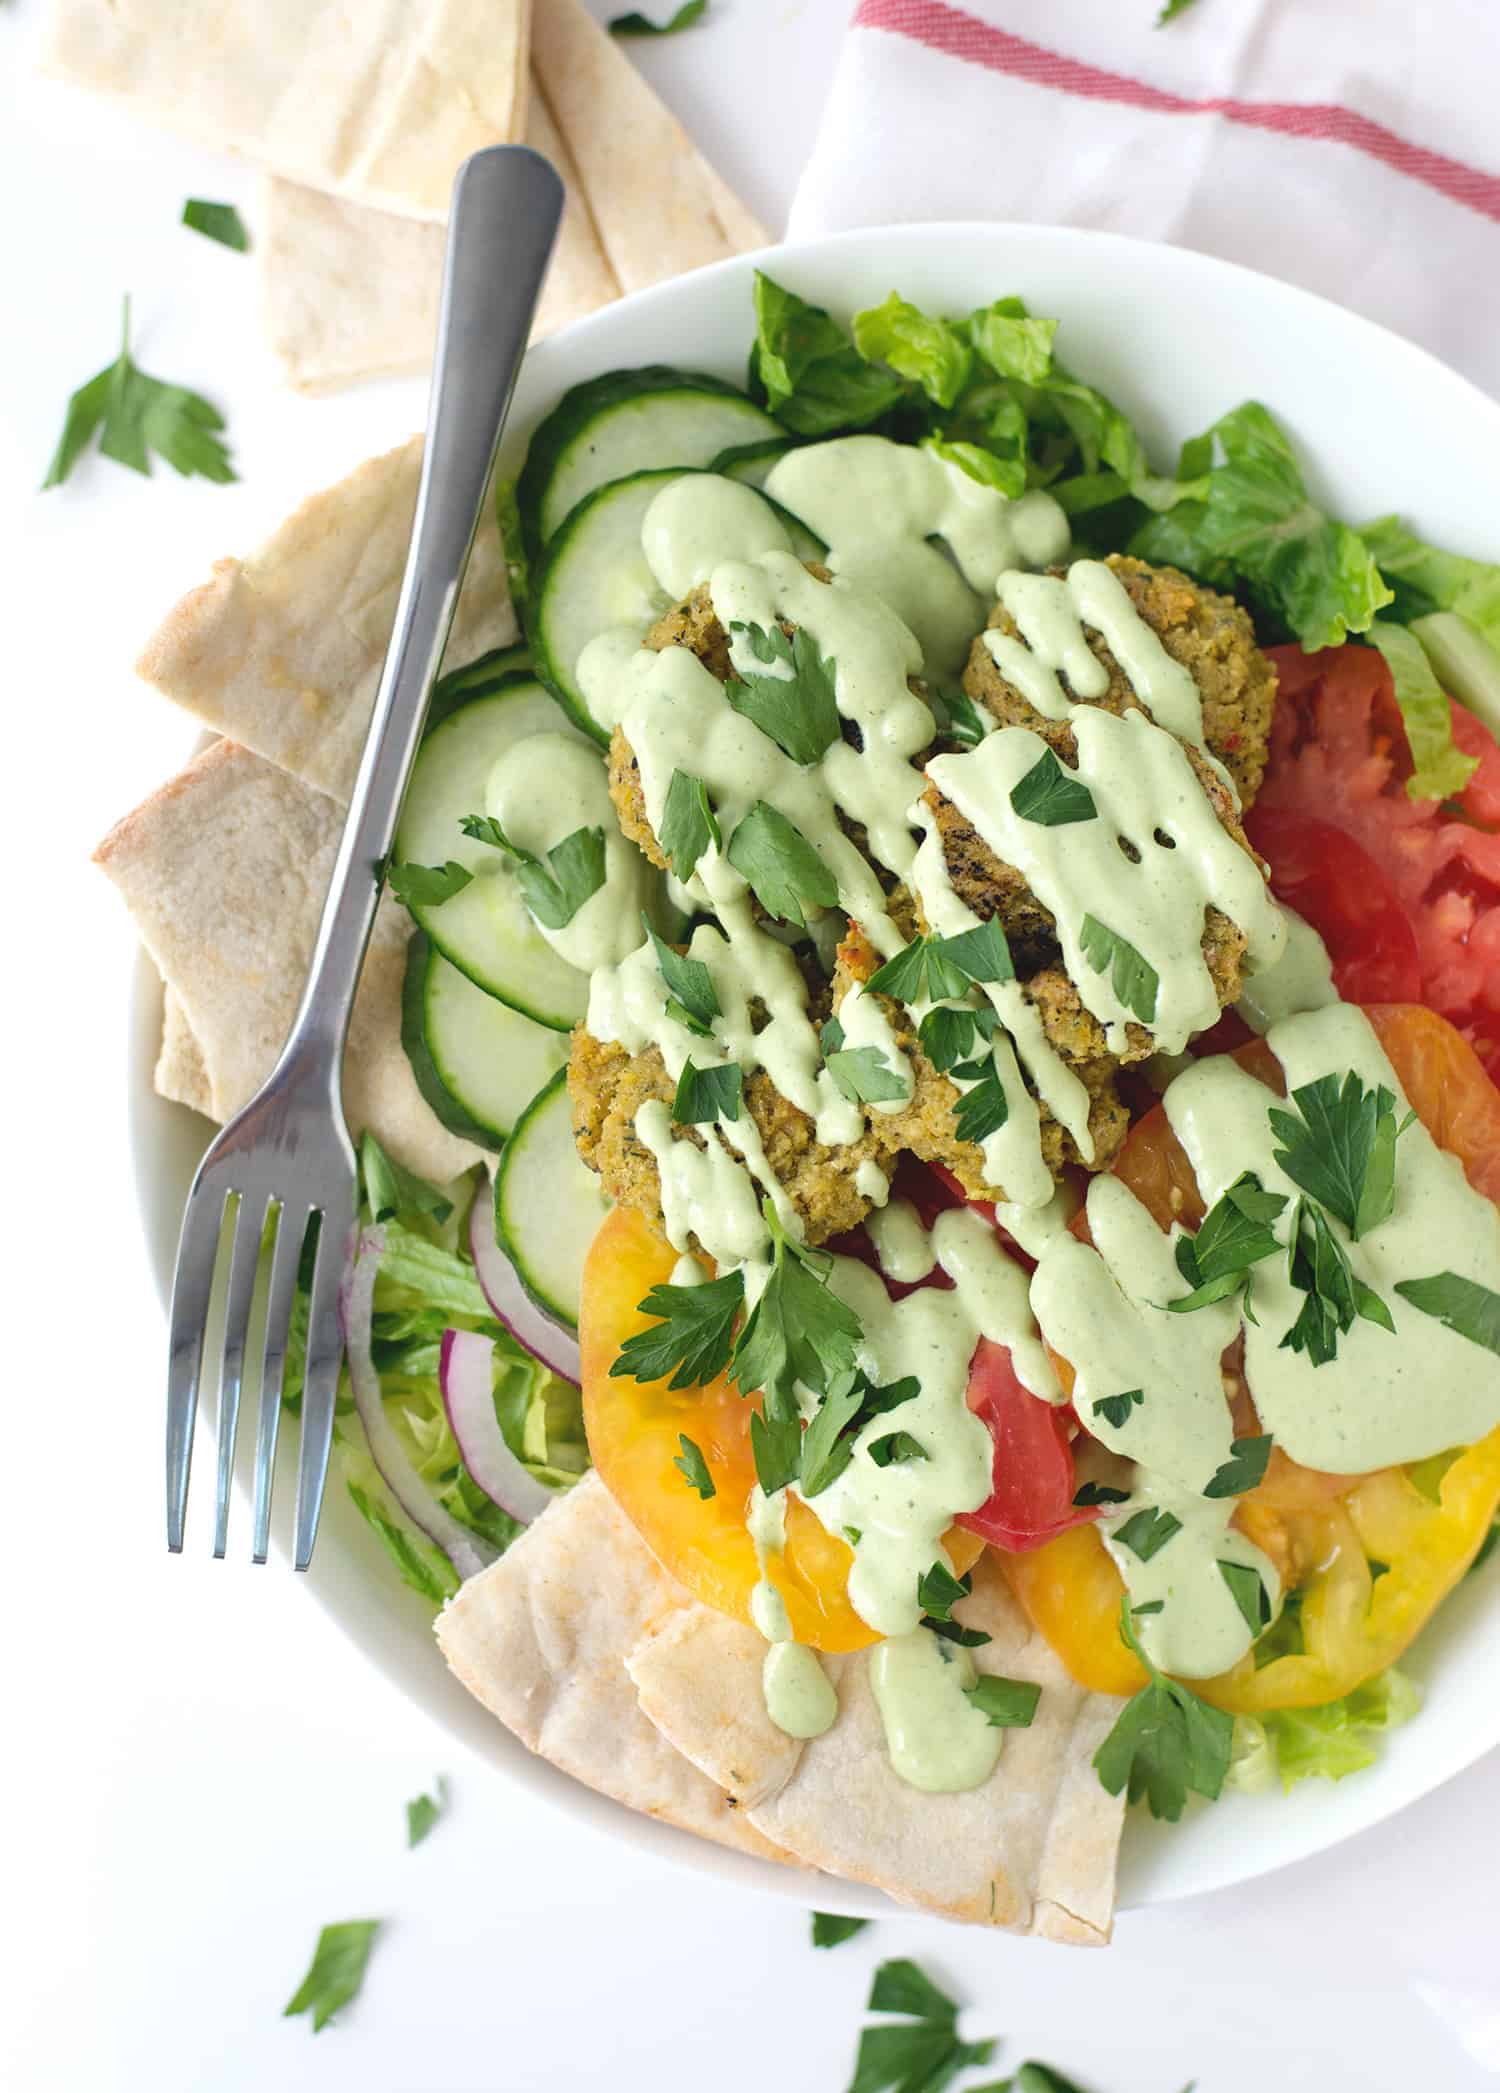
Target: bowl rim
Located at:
point(156, 1124)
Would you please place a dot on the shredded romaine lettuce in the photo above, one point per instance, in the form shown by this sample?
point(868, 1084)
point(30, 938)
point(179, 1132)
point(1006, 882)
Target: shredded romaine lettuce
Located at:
point(1441, 770)
point(424, 1286)
point(1291, 1744)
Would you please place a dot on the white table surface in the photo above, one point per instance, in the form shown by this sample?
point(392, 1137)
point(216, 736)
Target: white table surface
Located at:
point(201, 1773)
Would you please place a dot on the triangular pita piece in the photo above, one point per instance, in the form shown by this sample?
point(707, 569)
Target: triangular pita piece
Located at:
point(224, 871)
point(1033, 1849)
point(350, 293)
point(282, 652)
point(380, 102)
point(180, 1073)
point(658, 207)
point(540, 1638)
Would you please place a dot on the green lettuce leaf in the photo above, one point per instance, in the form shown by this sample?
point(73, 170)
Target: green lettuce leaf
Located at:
point(1441, 769)
point(1424, 578)
point(814, 379)
point(916, 346)
point(1292, 1744)
point(1258, 521)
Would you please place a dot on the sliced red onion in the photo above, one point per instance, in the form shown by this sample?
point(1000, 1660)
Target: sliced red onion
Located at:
point(467, 1375)
point(529, 1325)
point(467, 1553)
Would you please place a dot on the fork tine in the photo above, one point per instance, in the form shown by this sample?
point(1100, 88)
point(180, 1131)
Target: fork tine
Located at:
point(325, 1351)
point(192, 1284)
point(244, 1260)
point(285, 1259)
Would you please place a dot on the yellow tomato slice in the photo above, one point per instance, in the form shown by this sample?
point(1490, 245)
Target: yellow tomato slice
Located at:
point(1352, 1626)
point(633, 1429)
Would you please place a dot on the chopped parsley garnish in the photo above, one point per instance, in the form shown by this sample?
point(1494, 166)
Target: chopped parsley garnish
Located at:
point(799, 1329)
point(1089, 1494)
point(864, 1075)
point(216, 221)
point(1236, 1233)
point(556, 884)
point(1320, 1268)
point(896, 1446)
point(1248, 1590)
point(691, 1337)
point(920, 2053)
point(688, 824)
point(1245, 1467)
point(1116, 1409)
point(337, 1971)
point(1340, 1147)
point(423, 1811)
point(797, 709)
point(940, 969)
point(939, 1591)
point(1007, 1704)
point(691, 1465)
point(706, 1094)
point(136, 418)
point(984, 1108)
point(951, 1031)
point(693, 999)
point(830, 1929)
point(1135, 981)
point(850, 1404)
point(1466, 1307)
point(637, 24)
point(1052, 795)
point(1166, 1743)
point(392, 1192)
point(1146, 1533)
point(781, 866)
point(958, 717)
point(776, 1444)
point(427, 886)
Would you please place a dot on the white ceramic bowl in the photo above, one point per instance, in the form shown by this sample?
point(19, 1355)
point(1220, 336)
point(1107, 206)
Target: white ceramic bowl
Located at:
point(1176, 338)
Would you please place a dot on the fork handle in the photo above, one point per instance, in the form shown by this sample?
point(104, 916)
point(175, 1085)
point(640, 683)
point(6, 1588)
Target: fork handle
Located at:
point(507, 203)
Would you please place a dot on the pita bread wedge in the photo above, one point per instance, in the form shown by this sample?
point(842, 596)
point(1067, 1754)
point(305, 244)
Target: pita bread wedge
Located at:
point(282, 652)
point(224, 872)
point(380, 102)
point(1033, 1849)
point(658, 207)
point(349, 293)
point(180, 1073)
point(540, 1638)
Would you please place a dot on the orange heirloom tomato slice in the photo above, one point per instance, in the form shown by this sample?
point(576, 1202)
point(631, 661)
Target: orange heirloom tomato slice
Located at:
point(633, 1429)
point(1352, 1625)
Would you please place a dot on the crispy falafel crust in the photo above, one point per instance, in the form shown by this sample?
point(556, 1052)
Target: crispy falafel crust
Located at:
point(1212, 638)
point(608, 1086)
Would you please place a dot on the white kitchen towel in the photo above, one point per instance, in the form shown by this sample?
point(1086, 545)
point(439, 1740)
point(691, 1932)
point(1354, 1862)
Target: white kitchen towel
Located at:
point(1351, 146)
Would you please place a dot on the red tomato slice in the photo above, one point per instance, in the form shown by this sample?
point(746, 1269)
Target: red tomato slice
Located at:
point(1334, 883)
point(1339, 762)
point(1031, 1500)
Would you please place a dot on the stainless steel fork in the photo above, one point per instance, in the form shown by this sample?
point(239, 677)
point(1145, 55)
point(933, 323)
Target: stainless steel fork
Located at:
point(287, 1159)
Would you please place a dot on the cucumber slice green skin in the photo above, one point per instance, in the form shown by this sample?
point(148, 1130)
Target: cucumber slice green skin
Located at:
point(484, 929)
point(476, 1061)
point(594, 575)
point(624, 422)
point(751, 463)
point(477, 679)
point(548, 1203)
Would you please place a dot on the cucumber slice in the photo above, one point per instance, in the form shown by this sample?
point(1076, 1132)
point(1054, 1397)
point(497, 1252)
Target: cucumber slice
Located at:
point(594, 575)
point(624, 423)
point(484, 929)
point(752, 462)
point(477, 1062)
point(548, 1203)
point(477, 679)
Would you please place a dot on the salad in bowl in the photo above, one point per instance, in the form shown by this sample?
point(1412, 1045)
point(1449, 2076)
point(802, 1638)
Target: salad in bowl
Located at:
point(930, 1267)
